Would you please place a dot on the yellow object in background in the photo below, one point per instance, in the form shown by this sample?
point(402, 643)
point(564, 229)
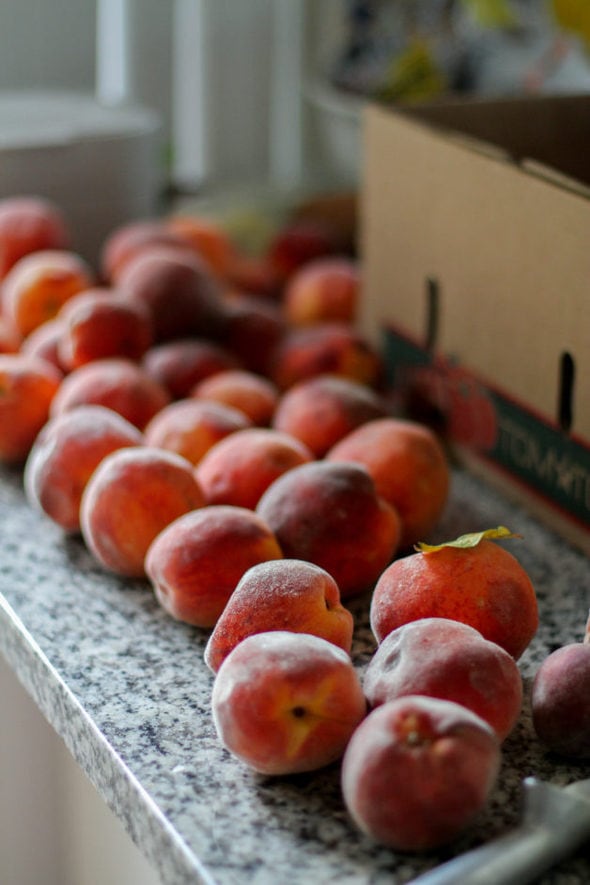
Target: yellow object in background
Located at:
point(413, 75)
point(492, 13)
point(573, 15)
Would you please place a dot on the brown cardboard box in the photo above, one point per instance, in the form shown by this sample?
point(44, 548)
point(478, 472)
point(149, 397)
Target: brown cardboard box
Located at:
point(475, 227)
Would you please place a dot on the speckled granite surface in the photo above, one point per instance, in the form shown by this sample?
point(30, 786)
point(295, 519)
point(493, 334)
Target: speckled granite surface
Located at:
point(127, 689)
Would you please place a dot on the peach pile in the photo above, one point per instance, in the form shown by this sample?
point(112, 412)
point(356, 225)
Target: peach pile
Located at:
point(211, 423)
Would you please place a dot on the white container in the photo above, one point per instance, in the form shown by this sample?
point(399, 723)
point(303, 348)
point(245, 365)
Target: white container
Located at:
point(101, 165)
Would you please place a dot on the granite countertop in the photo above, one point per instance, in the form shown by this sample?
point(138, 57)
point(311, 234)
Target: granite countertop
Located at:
point(127, 689)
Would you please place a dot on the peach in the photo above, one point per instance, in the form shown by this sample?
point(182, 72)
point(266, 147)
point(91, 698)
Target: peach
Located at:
point(191, 427)
point(417, 772)
point(324, 290)
point(253, 275)
point(177, 288)
point(446, 659)
point(296, 243)
point(208, 238)
point(179, 365)
point(324, 348)
point(10, 338)
point(322, 410)
point(252, 394)
point(238, 469)
point(27, 388)
point(330, 514)
point(44, 341)
point(285, 702)
point(128, 240)
point(287, 594)
point(560, 700)
point(251, 329)
point(29, 224)
point(195, 563)
point(64, 455)
point(409, 467)
point(99, 323)
point(37, 286)
point(116, 383)
point(484, 586)
point(133, 494)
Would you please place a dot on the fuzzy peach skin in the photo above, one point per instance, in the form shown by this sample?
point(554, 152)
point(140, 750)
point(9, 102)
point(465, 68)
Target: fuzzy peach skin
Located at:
point(287, 594)
point(130, 239)
point(179, 365)
point(98, 323)
point(29, 224)
point(66, 452)
point(286, 702)
point(324, 348)
point(28, 386)
point(133, 494)
point(320, 411)
point(191, 427)
point(409, 467)
point(239, 468)
point(253, 394)
point(178, 290)
point(331, 515)
point(417, 772)
point(43, 342)
point(37, 286)
point(251, 329)
point(323, 290)
point(445, 659)
point(195, 563)
point(117, 383)
point(484, 586)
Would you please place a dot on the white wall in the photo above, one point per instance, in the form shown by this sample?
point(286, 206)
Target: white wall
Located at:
point(55, 829)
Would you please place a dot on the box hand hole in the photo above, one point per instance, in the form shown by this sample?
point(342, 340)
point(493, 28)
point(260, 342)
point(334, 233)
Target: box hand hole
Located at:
point(432, 313)
point(566, 391)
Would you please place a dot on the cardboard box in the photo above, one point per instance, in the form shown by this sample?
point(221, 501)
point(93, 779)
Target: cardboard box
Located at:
point(475, 235)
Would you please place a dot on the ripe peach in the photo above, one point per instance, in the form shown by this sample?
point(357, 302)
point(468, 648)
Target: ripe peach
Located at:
point(252, 394)
point(287, 594)
point(417, 771)
point(10, 337)
point(29, 224)
point(116, 383)
point(323, 290)
point(27, 387)
point(560, 700)
point(330, 514)
point(128, 240)
point(39, 284)
point(191, 427)
point(179, 365)
point(177, 288)
point(322, 410)
point(133, 494)
point(251, 329)
point(99, 323)
point(286, 702)
point(195, 563)
point(44, 341)
point(324, 348)
point(208, 238)
point(449, 660)
point(238, 469)
point(409, 467)
point(253, 275)
point(296, 243)
point(65, 454)
point(484, 586)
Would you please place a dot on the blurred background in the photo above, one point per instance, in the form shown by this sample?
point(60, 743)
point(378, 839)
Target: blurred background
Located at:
point(120, 108)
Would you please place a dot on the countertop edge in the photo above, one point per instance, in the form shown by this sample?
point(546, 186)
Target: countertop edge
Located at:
point(149, 829)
